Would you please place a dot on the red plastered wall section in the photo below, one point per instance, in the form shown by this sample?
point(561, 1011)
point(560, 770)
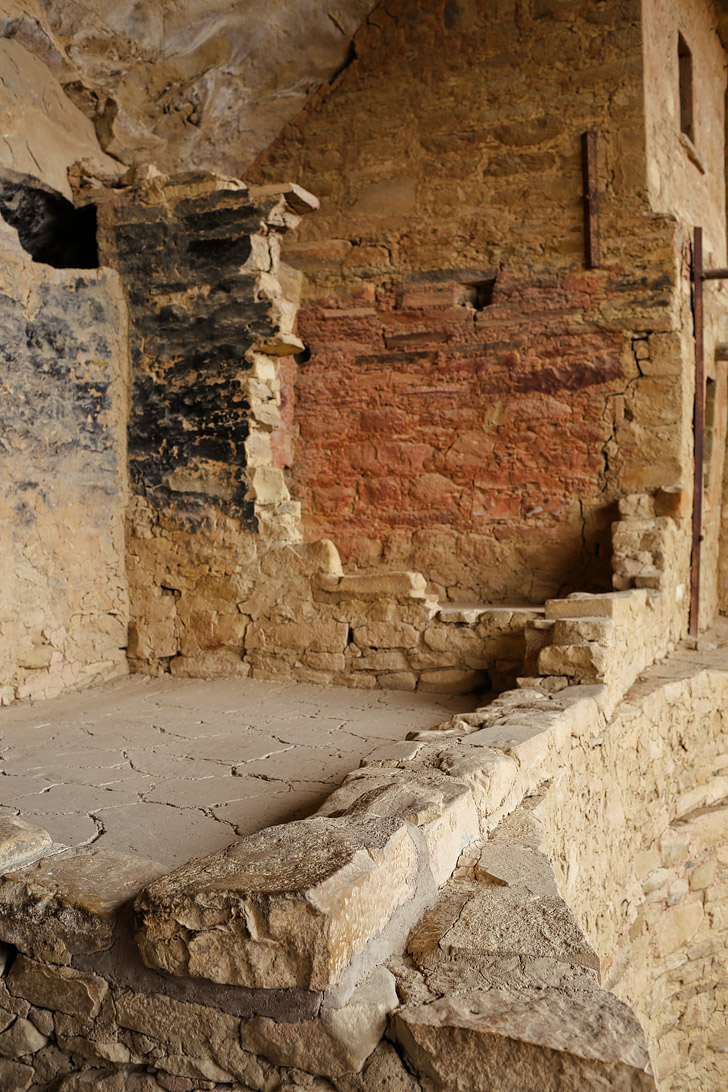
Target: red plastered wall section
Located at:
point(437, 432)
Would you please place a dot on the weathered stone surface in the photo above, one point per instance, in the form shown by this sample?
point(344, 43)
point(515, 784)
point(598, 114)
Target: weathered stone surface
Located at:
point(504, 920)
point(516, 866)
point(20, 842)
point(46, 132)
point(490, 774)
point(287, 907)
point(22, 1037)
point(127, 1079)
point(337, 1043)
point(69, 903)
point(384, 1071)
point(440, 806)
point(574, 660)
point(395, 585)
point(265, 59)
point(610, 605)
point(484, 1040)
point(15, 1076)
point(677, 927)
point(61, 989)
point(194, 1040)
point(65, 598)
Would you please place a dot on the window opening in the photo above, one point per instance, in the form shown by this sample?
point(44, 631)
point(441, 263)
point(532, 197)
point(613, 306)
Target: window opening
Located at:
point(685, 69)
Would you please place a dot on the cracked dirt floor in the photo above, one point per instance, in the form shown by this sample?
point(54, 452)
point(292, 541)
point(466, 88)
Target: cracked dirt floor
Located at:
point(175, 768)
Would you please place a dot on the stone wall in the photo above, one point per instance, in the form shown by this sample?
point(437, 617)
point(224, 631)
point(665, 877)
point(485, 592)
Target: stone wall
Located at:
point(671, 961)
point(218, 582)
point(687, 177)
point(422, 931)
point(63, 404)
point(458, 439)
point(648, 800)
point(489, 399)
point(208, 319)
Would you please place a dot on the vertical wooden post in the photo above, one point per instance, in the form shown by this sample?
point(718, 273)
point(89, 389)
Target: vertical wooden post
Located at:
point(592, 254)
point(698, 432)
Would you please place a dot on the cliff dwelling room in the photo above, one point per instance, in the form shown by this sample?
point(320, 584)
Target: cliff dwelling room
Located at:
point(363, 546)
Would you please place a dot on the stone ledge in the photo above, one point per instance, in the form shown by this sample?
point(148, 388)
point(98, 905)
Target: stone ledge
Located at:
point(69, 903)
point(21, 843)
point(391, 585)
point(288, 907)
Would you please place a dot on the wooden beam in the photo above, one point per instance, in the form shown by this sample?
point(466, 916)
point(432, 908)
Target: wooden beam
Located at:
point(698, 432)
point(592, 253)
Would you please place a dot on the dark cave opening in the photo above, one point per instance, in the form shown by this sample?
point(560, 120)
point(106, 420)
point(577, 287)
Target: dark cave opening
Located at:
point(49, 227)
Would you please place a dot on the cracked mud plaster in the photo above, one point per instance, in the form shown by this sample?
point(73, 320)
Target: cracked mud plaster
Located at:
point(173, 769)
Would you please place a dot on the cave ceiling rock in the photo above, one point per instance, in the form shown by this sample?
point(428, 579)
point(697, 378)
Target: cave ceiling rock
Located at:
point(186, 83)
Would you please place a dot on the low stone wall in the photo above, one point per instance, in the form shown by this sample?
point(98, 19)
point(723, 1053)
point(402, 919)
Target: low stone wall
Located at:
point(423, 903)
point(221, 600)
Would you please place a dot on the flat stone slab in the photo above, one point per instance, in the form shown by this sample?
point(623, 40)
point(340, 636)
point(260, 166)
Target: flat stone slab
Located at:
point(20, 842)
point(68, 903)
point(288, 907)
point(172, 769)
point(489, 1039)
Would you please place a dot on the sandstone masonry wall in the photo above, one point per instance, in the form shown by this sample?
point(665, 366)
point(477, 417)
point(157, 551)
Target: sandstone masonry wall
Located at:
point(219, 584)
point(489, 399)
point(686, 176)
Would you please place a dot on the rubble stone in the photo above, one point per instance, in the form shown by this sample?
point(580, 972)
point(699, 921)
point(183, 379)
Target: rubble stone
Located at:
point(61, 989)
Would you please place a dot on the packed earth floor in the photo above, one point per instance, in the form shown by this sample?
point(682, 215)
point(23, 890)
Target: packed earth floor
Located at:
point(173, 769)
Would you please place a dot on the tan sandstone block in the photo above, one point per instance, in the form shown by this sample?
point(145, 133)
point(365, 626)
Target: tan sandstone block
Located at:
point(58, 988)
point(616, 605)
point(500, 919)
point(484, 1040)
point(268, 485)
point(385, 635)
point(197, 1040)
point(69, 903)
point(20, 842)
point(316, 635)
point(337, 1042)
point(707, 826)
point(567, 631)
point(440, 806)
point(703, 874)
point(388, 585)
point(490, 774)
point(677, 926)
point(287, 907)
point(589, 660)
